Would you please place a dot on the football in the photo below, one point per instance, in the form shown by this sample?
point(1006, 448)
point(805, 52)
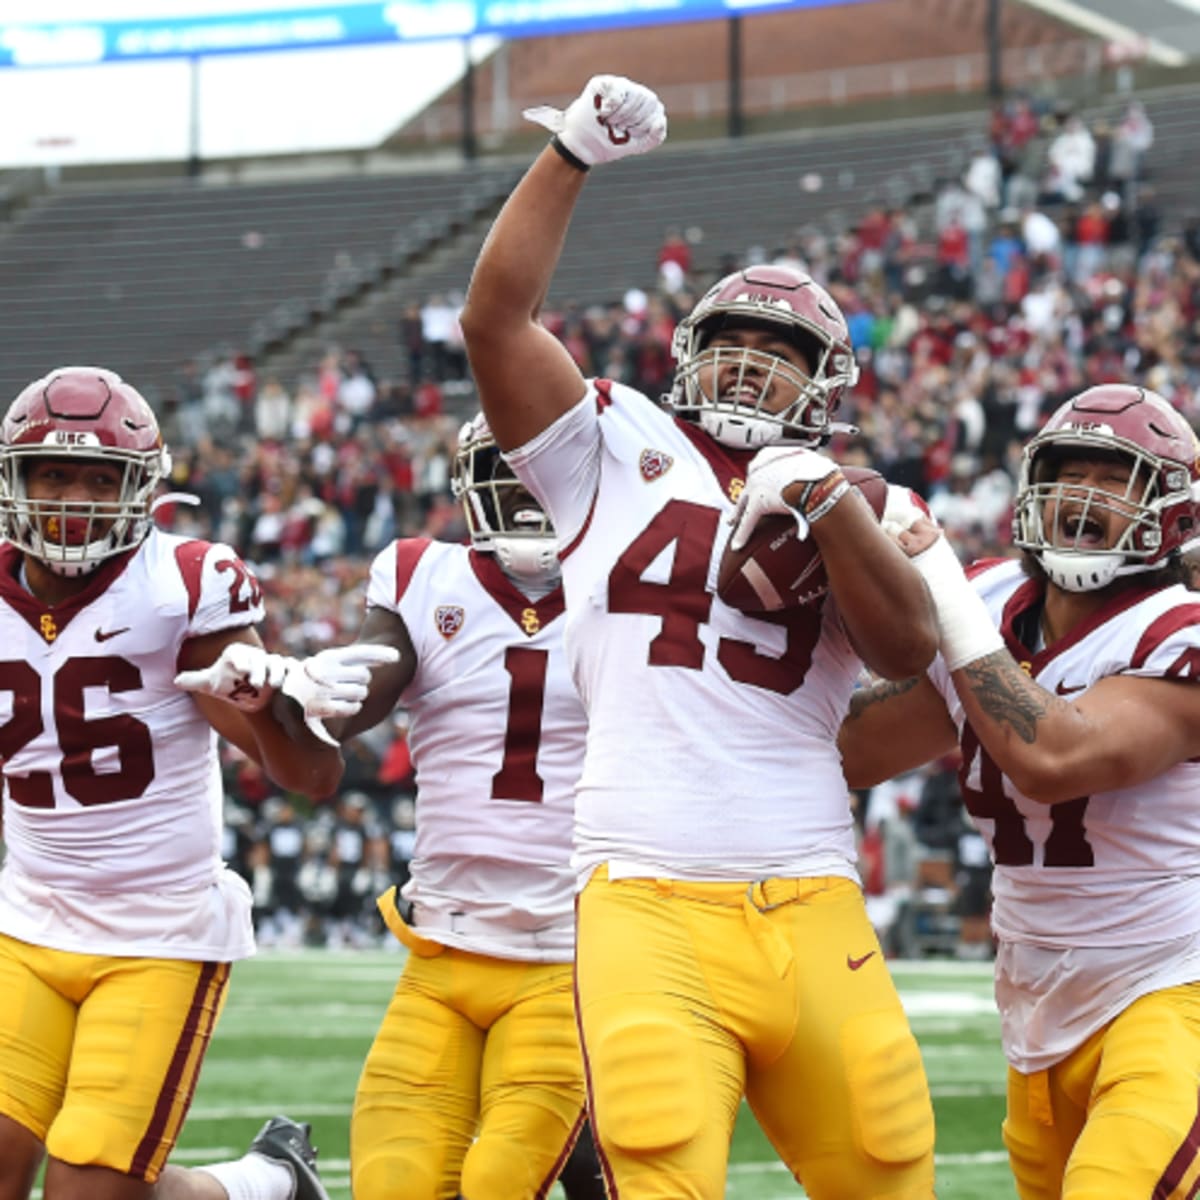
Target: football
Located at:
point(774, 570)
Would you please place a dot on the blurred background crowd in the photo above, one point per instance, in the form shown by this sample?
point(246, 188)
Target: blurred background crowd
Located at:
point(975, 307)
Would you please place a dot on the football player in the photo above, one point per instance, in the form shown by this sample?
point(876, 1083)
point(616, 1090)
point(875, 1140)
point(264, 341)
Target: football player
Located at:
point(723, 943)
point(474, 1084)
point(118, 920)
point(1068, 680)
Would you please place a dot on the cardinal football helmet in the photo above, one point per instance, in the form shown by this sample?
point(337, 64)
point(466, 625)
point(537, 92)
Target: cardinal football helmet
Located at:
point(778, 298)
point(1161, 501)
point(79, 413)
point(503, 518)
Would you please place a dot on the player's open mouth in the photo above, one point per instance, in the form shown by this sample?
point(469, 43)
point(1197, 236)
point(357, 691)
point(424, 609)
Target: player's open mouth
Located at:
point(1083, 530)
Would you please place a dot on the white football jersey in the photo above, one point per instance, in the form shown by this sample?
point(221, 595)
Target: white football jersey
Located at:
point(497, 735)
point(112, 787)
point(712, 741)
point(1096, 899)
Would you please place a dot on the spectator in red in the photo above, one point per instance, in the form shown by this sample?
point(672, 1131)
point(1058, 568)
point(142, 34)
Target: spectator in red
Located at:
point(675, 249)
point(1023, 124)
point(1090, 237)
point(873, 229)
point(427, 399)
point(674, 262)
point(954, 255)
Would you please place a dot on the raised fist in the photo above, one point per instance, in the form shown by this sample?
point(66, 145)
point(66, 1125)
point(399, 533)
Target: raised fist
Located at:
point(613, 117)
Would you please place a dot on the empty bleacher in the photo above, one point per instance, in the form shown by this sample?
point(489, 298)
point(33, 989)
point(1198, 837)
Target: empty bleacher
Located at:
point(141, 279)
point(735, 193)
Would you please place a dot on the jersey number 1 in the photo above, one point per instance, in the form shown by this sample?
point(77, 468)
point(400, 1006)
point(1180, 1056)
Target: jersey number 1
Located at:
point(517, 778)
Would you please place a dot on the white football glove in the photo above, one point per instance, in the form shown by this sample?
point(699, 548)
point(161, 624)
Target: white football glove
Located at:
point(240, 676)
point(612, 118)
point(771, 470)
point(902, 510)
point(334, 683)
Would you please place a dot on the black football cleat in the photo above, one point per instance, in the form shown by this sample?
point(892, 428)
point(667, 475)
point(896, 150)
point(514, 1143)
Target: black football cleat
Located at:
point(284, 1141)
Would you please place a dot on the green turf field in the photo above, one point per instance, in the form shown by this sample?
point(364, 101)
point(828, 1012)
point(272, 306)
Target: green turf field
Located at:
point(298, 1024)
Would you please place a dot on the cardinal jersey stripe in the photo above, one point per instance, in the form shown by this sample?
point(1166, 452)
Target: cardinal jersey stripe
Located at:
point(1168, 624)
point(408, 554)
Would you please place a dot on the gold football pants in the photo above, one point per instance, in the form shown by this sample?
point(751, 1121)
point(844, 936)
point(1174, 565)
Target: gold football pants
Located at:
point(693, 994)
point(99, 1056)
point(1119, 1117)
point(474, 1083)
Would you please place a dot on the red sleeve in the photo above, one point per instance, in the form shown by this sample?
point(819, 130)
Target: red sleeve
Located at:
point(189, 557)
point(408, 554)
point(1171, 622)
point(980, 565)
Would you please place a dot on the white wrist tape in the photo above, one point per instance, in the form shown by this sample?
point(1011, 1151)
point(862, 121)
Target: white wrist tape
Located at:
point(966, 627)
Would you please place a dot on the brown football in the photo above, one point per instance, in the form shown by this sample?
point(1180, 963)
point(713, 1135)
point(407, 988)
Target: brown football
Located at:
point(774, 570)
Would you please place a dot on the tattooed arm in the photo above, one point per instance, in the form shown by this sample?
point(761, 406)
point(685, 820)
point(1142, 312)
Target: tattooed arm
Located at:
point(1122, 731)
point(894, 727)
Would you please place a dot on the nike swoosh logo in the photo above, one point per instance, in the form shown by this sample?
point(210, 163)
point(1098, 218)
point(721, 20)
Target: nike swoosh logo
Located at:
point(101, 636)
point(855, 963)
point(1063, 690)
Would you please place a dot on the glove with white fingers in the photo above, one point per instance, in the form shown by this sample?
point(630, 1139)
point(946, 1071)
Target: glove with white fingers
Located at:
point(613, 117)
point(242, 676)
point(334, 683)
point(819, 482)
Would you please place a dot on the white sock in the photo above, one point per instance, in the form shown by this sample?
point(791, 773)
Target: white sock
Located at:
point(254, 1177)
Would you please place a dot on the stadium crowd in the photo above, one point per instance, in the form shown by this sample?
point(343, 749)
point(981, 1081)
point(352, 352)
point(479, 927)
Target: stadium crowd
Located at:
point(975, 310)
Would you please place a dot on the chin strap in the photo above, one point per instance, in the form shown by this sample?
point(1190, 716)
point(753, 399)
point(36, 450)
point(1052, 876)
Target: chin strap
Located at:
point(1080, 572)
point(529, 560)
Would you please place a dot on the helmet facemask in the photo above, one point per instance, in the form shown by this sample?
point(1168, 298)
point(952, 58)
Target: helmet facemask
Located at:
point(503, 518)
point(738, 414)
point(73, 537)
point(79, 416)
point(796, 310)
point(1064, 524)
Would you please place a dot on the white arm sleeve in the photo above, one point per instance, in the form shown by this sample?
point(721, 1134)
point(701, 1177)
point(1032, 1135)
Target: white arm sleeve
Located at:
point(561, 466)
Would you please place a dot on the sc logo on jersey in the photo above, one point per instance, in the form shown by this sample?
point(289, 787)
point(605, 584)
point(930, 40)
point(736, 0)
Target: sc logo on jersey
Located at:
point(449, 619)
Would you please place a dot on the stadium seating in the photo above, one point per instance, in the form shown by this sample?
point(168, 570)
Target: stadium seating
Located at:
point(141, 279)
point(734, 193)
